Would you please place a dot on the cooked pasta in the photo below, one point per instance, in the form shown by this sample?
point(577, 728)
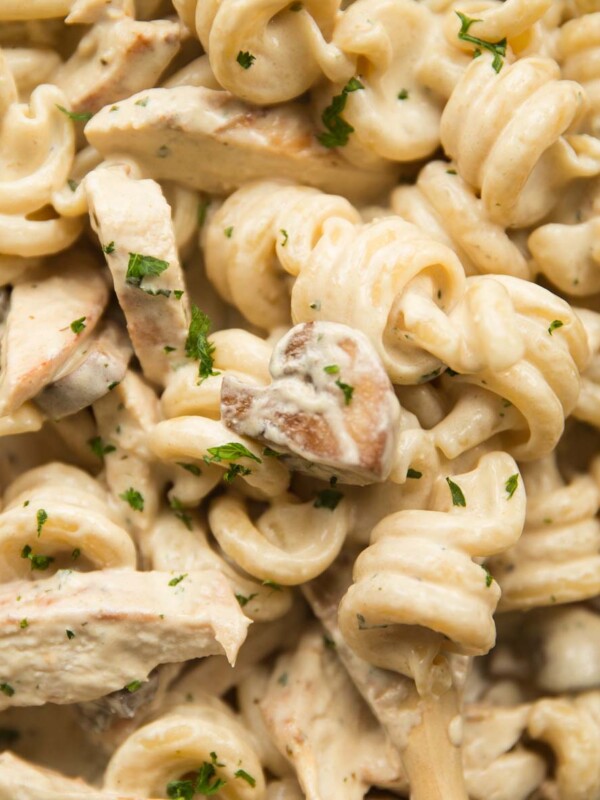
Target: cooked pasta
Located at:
point(299, 399)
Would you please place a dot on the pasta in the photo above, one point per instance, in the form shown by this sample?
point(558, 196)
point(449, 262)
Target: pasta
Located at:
point(299, 400)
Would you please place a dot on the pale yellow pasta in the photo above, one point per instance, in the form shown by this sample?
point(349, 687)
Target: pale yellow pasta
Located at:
point(60, 512)
point(557, 559)
point(397, 614)
point(290, 543)
point(178, 743)
point(588, 402)
point(506, 132)
point(579, 51)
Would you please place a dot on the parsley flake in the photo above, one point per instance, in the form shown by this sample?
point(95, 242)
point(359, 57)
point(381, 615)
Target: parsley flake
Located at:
point(233, 471)
point(7, 689)
point(70, 634)
point(143, 101)
point(511, 485)
point(458, 498)
point(98, 447)
point(489, 578)
point(108, 248)
point(197, 345)
point(178, 579)
point(338, 130)
point(284, 233)
point(180, 790)
point(76, 553)
point(347, 390)
point(83, 116)
point(414, 473)
point(193, 468)
point(228, 231)
point(133, 686)
point(134, 498)
point(245, 59)
point(24, 623)
point(41, 519)
point(38, 562)
point(272, 585)
point(140, 266)
point(229, 452)
point(72, 184)
point(270, 453)
point(241, 773)
point(556, 323)
point(332, 369)
point(497, 49)
point(403, 94)
point(243, 600)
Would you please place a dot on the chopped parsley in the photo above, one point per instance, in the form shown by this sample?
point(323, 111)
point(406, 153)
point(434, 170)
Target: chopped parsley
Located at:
point(180, 790)
point(197, 345)
point(245, 59)
point(347, 390)
point(458, 498)
point(328, 643)
point(24, 623)
point(511, 485)
point(332, 369)
point(143, 101)
point(193, 468)
point(38, 562)
point(205, 783)
point(133, 686)
point(414, 473)
point(113, 385)
point(108, 248)
point(134, 498)
point(403, 94)
point(316, 306)
point(83, 116)
point(284, 233)
point(556, 323)
point(140, 266)
point(70, 634)
point(489, 578)
point(72, 184)
point(451, 172)
point(272, 585)
point(78, 325)
point(76, 553)
point(229, 452)
point(338, 130)
point(41, 519)
point(243, 600)
point(328, 498)
point(7, 689)
point(178, 293)
point(98, 447)
point(178, 579)
point(498, 49)
point(177, 508)
point(168, 349)
point(270, 453)
point(241, 773)
point(233, 470)
point(228, 231)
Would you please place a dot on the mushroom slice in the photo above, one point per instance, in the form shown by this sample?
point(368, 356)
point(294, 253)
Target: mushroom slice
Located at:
point(92, 633)
point(117, 57)
point(133, 220)
point(319, 721)
point(181, 128)
point(94, 367)
point(331, 406)
point(38, 338)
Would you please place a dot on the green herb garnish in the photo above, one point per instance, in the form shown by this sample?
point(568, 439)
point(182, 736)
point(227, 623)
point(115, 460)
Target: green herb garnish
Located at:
point(497, 49)
point(458, 498)
point(338, 130)
point(134, 498)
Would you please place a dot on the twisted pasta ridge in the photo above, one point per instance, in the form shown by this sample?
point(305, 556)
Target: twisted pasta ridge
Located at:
point(495, 762)
point(246, 266)
point(58, 512)
point(37, 146)
point(291, 542)
point(557, 559)
point(442, 204)
point(588, 403)
point(416, 590)
point(290, 46)
point(519, 158)
point(178, 743)
point(572, 730)
point(579, 50)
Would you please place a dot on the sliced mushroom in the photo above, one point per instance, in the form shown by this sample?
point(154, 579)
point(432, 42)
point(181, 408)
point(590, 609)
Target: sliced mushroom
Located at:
point(122, 624)
point(116, 58)
point(331, 406)
point(95, 366)
point(132, 217)
point(181, 128)
point(38, 338)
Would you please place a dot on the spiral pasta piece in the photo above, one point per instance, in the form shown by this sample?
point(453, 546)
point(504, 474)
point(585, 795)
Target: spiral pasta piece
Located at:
point(286, 47)
point(290, 543)
point(588, 402)
point(181, 742)
point(37, 146)
point(58, 516)
point(557, 559)
point(573, 734)
point(579, 50)
point(399, 614)
point(518, 158)
point(442, 204)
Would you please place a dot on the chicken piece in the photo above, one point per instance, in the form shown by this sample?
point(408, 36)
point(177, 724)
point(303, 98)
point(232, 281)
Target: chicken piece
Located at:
point(318, 720)
point(19, 778)
point(94, 367)
point(38, 338)
point(132, 218)
point(88, 634)
point(117, 57)
point(331, 406)
point(210, 140)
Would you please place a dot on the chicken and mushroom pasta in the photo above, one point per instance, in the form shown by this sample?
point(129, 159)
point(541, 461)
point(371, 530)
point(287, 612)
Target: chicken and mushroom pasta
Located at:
point(299, 399)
